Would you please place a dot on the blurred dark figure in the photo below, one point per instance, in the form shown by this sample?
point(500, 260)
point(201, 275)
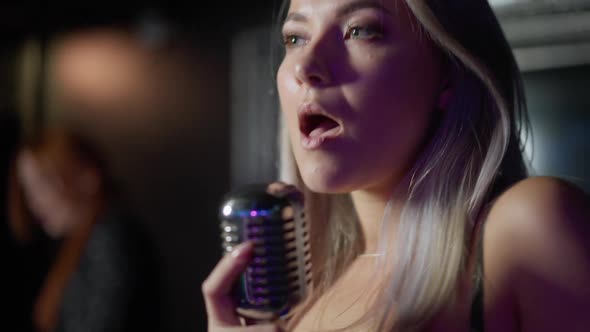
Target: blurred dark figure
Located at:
point(103, 275)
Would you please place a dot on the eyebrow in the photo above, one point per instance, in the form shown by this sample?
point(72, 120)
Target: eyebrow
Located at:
point(345, 10)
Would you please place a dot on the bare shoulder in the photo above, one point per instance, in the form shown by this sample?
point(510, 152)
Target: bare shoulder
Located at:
point(535, 196)
point(540, 209)
point(537, 257)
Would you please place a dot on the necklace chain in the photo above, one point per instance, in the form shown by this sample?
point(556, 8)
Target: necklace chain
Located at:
point(371, 255)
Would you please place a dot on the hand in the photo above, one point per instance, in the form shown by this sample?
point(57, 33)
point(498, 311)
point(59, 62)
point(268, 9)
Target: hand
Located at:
point(221, 311)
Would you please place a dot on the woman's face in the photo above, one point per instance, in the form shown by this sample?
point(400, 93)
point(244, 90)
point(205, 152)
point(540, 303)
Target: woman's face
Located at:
point(358, 86)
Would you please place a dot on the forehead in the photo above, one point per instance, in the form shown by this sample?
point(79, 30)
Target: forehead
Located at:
point(311, 7)
point(397, 11)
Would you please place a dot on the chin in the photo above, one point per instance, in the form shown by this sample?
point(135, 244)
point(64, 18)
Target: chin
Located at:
point(325, 181)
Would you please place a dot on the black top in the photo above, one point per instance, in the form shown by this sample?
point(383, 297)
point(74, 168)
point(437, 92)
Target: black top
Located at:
point(115, 287)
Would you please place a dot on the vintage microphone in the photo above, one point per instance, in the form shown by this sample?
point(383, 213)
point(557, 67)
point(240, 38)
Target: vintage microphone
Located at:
point(279, 273)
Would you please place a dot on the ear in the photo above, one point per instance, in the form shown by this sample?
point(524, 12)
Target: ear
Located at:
point(445, 96)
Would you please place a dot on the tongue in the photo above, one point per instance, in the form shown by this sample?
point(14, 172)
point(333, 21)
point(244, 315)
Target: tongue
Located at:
point(322, 127)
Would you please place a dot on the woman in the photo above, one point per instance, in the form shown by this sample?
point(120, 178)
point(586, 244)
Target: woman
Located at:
point(403, 121)
point(103, 277)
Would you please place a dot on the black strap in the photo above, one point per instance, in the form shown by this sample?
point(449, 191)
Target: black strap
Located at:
point(477, 306)
point(477, 320)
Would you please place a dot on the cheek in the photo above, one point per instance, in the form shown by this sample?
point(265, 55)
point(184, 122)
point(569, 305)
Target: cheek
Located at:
point(394, 104)
point(288, 88)
point(404, 74)
point(286, 82)
point(398, 90)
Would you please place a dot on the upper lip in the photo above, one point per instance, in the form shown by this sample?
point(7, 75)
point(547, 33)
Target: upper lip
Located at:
point(310, 109)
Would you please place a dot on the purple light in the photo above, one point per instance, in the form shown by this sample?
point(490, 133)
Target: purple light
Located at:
point(253, 213)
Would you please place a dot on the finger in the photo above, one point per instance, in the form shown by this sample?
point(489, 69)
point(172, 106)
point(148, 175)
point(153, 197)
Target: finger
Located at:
point(261, 328)
point(281, 189)
point(217, 287)
point(252, 328)
point(253, 316)
point(276, 188)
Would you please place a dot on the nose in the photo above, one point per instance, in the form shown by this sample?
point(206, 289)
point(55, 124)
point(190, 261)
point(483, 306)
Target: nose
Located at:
point(312, 70)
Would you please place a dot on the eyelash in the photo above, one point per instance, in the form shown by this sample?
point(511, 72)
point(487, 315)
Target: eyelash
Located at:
point(288, 40)
point(373, 32)
point(292, 40)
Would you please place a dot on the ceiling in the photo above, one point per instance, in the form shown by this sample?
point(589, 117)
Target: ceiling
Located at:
point(546, 33)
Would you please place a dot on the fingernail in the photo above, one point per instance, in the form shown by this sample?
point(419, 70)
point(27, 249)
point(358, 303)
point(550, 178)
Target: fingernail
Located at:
point(240, 249)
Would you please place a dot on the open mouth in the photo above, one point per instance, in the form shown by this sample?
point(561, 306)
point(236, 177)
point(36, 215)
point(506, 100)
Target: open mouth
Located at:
point(317, 125)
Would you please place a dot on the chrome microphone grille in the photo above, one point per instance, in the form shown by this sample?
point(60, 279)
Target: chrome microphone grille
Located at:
point(279, 273)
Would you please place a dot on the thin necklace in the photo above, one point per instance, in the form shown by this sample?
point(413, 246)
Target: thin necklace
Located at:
point(371, 255)
point(382, 253)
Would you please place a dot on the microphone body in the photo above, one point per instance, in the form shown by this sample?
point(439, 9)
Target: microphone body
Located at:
point(279, 272)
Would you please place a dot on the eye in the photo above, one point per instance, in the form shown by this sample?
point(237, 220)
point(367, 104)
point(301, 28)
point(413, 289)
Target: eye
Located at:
point(291, 41)
point(363, 32)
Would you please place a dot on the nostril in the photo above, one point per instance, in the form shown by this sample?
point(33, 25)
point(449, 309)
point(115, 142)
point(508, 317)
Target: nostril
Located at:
point(312, 73)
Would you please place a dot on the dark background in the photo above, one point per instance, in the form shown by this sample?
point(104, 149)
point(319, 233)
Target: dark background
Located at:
point(175, 178)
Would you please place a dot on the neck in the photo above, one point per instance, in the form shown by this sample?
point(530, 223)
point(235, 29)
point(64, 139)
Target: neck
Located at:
point(370, 206)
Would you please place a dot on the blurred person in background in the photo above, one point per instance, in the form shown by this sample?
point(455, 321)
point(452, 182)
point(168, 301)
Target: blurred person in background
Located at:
point(103, 276)
point(24, 265)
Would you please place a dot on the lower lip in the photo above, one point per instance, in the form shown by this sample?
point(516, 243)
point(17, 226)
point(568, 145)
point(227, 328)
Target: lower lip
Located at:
point(314, 143)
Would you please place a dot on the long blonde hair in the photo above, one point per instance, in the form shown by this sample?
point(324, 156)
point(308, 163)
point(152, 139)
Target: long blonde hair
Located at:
point(474, 154)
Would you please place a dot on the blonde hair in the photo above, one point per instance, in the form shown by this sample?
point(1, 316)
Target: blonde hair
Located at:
point(474, 154)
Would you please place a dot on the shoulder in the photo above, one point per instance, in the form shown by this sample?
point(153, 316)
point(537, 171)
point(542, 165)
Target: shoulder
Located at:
point(118, 245)
point(540, 211)
point(117, 232)
point(537, 254)
point(536, 196)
